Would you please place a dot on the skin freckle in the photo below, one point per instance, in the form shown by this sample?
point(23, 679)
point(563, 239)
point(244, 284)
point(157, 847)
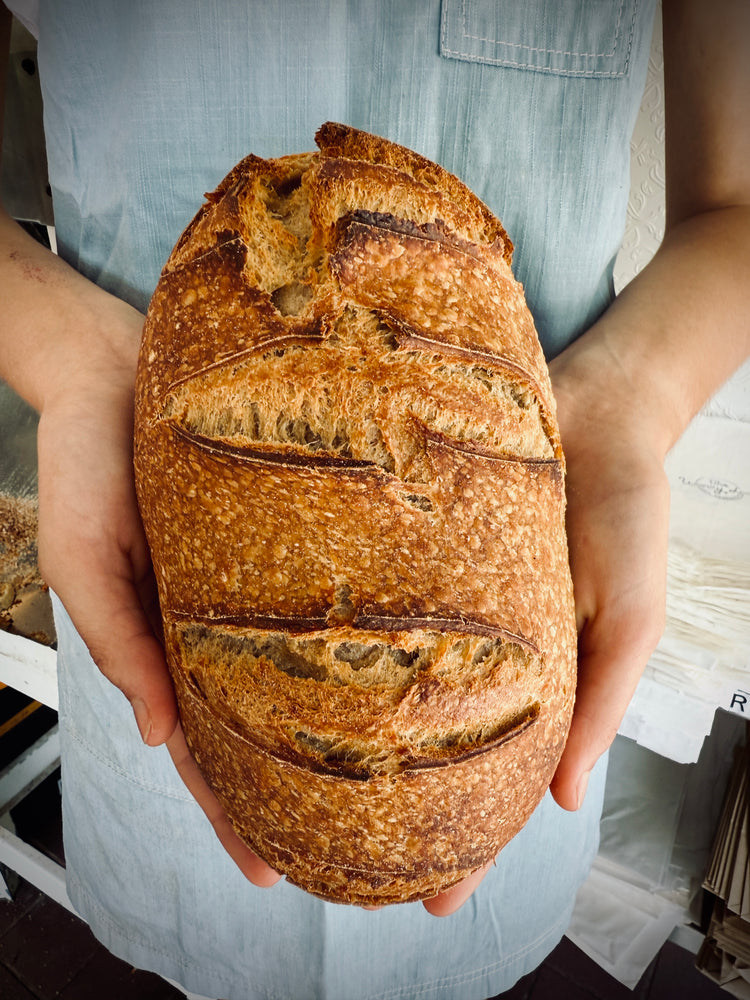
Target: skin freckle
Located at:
point(29, 270)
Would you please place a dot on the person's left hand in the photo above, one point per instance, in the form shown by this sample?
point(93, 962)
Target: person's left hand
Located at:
point(617, 524)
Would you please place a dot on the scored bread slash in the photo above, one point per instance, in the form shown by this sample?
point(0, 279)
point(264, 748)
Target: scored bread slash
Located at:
point(350, 475)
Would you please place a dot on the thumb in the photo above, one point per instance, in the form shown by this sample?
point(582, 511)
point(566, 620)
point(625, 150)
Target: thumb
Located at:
point(608, 674)
point(92, 548)
point(120, 639)
point(106, 608)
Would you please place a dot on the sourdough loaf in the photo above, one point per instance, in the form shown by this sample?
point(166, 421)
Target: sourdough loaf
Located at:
point(350, 475)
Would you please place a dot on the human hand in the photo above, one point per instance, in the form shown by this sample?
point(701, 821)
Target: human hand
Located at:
point(94, 555)
point(92, 549)
point(617, 524)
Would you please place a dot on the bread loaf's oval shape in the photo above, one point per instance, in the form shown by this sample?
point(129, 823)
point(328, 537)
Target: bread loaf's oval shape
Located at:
point(350, 475)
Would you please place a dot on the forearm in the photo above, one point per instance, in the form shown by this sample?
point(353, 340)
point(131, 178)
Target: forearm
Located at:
point(57, 327)
point(680, 328)
point(673, 336)
point(626, 390)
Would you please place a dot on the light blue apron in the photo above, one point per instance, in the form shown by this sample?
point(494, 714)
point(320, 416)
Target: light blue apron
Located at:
point(148, 105)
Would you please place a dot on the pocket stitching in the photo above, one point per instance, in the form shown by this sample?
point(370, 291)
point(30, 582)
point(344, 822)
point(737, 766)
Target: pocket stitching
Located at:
point(517, 64)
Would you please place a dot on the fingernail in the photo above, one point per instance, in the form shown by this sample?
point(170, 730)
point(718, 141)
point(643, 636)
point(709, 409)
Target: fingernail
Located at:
point(142, 718)
point(581, 787)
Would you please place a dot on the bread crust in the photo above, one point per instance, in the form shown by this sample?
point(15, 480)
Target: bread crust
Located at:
point(351, 478)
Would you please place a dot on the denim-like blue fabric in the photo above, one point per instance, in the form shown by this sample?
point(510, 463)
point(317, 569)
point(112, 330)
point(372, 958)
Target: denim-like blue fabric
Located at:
point(148, 105)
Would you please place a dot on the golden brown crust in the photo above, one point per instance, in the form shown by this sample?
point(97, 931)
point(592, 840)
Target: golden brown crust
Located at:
point(361, 554)
point(385, 838)
point(338, 140)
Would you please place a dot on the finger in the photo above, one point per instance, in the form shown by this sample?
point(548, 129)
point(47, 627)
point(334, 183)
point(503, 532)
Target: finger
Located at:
point(251, 866)
point(93, 554)
point(454, 898)
point(116, 629)
point(95, 583)
point(592, 730)
point(618, 534)
point(608, 674)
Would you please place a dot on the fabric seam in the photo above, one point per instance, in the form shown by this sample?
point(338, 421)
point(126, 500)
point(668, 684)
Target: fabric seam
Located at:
point(72, 731)
point(116, 931)
point(450, 52)
point(538, 48)
point(120, 772)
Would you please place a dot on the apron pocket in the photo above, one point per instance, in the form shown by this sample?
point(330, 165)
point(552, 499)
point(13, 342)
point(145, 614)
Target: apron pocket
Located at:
point(591, 38)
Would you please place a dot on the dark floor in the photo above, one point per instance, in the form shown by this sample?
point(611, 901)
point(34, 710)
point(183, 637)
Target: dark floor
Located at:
point(46, 952)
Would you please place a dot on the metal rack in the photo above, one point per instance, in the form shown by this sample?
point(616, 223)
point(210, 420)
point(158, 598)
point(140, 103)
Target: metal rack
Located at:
point(30, 668)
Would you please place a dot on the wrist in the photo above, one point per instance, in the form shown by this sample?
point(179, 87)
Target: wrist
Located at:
point(668, 341)
point(95, 351)
point(609, 394)
point(60, 333)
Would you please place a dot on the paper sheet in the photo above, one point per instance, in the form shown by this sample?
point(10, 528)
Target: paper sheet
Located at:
point(703, 660)
point(621, 925)
point(658, 828)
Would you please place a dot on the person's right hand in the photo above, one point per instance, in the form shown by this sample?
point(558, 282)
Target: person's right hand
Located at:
point(92, 548)
point(94, 555)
